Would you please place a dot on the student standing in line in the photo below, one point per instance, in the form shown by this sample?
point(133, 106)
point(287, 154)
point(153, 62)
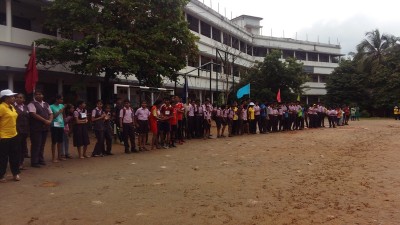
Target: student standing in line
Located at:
point(22, 128)
point(165, 127)
point(126, 121)
point(206, 121)
point(80, 133)
point(153, 119)
point(40, 121)
point(57, 128)
point(68, 127)
point(142, 124)
point(108, 130)
point(174, 125)
point(191, 120)
point(252, 118)
point(9, 152)
point(98, 118)
point(180, 109)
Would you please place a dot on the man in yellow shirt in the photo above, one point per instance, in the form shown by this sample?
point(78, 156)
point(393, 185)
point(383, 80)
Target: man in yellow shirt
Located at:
point(8, 135)
point(252, 118)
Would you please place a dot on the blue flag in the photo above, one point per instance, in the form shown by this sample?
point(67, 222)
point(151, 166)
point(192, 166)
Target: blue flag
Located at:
point(245, 90)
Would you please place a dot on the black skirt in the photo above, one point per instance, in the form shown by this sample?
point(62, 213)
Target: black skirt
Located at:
point(81, 135)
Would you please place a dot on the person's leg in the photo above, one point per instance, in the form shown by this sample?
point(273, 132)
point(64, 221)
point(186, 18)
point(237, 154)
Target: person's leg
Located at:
point(14, 157)
point(42, 145)
point(125, 135)
point(35, 137)
point(4, 153)
point(132, 138)
point(108, 139)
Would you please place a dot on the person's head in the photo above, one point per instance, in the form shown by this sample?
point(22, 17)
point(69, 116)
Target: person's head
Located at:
point(69, 109)
point(144, 104)
point(38, 95)
point(107, 107)
point(166, 101)
point(81, 104)
point(7, 96)
point(59, 99)
point(20, 98)
point(99, 104)
point(127, 103)
point(118, 101)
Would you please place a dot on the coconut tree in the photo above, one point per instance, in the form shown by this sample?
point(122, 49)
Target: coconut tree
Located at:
point(371, 51)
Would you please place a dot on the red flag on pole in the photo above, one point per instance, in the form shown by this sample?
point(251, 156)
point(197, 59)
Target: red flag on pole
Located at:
point(31, 73)
point(278, 95)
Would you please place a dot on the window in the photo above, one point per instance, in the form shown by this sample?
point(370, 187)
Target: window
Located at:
point(313, 78)
point(249, 49)
point(287, 54)
point(242, 46)
point(205, 29)
point(301, 56)
point(3, 18)
point(205, 60)
point(323, 58)
point(335, 59)
point(260, 51)
point(21, 23)
point(322, 78)
point(193, 23)
point(216, 34)
point(227, 39)
point(217, 68)
point(312, 56)
point(235, 43)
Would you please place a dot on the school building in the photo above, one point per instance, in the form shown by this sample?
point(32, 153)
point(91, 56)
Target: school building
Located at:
point(228, 47)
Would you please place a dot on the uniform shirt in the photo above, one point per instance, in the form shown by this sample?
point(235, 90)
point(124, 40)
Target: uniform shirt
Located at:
point(191, 110)
point(235, 113)
point(8, 121)
point(167, 111)
point(174, 119)
point(257, 109)
point(142, 113)
point(128, 118)
point(59, 120)
point(219, 112)
point(94, 112)
point(244, 114)
point(207, 115)
point(32, 107)
point(180, 110)
point(251, 113)
point(270, 110)
point(200, 110)
point(263, 112)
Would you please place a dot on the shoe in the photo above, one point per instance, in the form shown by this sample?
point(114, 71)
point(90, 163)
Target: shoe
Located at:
point(166, 147)
point(35, 165)
point(22, 168)
point(17, 178)
point(3, 180)
point(109, 153)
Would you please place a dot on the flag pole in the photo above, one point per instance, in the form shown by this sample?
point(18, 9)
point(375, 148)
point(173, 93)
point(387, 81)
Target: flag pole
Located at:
point(249, 90)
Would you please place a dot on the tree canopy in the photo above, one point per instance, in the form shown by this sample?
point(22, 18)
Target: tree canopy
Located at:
point(267, 77)
point(149, 39)
point(372, 78)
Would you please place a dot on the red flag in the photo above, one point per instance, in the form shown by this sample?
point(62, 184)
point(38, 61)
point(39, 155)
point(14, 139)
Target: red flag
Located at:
point(278, 96)
point(31, 73)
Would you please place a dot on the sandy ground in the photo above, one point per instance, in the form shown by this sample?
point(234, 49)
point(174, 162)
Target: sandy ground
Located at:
point(347, 175)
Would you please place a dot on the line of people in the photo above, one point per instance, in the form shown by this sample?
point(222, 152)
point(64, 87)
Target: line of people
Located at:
point(170, 121)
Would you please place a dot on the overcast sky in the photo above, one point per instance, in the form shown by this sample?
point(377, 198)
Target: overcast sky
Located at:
point(339, 21)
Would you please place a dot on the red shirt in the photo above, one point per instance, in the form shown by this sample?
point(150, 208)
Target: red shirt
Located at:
point(173, 120)
point(179, 107)
point(166, 111)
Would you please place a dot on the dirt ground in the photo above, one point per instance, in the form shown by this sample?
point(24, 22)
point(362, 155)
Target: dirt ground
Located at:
point(347, 175)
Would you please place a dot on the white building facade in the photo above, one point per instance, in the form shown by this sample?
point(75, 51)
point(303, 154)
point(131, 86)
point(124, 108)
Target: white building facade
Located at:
point(227, 49)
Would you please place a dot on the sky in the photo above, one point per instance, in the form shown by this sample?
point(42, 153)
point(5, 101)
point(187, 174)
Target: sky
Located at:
point(343, 22)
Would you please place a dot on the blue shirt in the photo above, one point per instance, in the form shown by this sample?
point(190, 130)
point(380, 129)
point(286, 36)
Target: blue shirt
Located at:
point(263, 110)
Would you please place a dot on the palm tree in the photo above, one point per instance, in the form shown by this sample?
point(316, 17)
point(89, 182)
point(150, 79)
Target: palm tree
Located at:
point(371, 51)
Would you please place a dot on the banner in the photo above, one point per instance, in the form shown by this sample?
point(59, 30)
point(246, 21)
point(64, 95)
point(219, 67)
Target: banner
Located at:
point(31, 73)
point(278, 96)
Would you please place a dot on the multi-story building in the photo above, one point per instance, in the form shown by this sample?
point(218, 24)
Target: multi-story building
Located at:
point(227, 49)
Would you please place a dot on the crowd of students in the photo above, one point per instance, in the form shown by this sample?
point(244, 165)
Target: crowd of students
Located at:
point(170, 121)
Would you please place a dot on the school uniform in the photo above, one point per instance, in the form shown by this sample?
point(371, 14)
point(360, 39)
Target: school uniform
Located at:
point(191, 121)
point(128, 130)
point(252, 120)
point(23, 131)
point(199, 121)
point(180, 109)
point(80, 131)
point(108, 134)
point(38, 131)
point(98, 127)
point(142, 115)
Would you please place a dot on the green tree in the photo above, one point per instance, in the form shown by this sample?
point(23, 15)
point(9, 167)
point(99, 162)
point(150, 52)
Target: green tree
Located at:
point(267, 77)
point(371, 51)
point(149, 39)
point(346, 85)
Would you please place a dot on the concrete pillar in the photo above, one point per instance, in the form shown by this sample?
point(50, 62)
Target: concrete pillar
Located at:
point(152, 99)
point(212, 97)
point(8, 20)
point(306, 56)
point(99, 90)
point(307, 100)
point(11, 81)
point(59, 86)
point(201, 96)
